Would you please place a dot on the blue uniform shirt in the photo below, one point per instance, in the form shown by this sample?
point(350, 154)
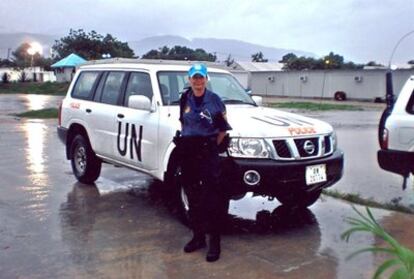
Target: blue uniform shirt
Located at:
point(204, 117)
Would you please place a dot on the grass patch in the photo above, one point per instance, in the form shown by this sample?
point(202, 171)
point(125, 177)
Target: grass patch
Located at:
point(355, 198)
point(41, 113)
point(43, 88)
point(314, 106)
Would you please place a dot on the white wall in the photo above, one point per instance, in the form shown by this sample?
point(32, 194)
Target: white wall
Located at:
point(319, 83)
point(41, 76)
point(64, 74)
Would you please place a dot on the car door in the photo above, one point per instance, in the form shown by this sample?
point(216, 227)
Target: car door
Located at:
point(137, 137)
point(104, 114)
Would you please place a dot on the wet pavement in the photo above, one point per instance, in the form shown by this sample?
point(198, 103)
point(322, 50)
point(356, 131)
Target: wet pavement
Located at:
point(124, 226)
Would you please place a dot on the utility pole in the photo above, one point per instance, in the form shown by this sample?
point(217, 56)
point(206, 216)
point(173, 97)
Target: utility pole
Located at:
point(8, 53)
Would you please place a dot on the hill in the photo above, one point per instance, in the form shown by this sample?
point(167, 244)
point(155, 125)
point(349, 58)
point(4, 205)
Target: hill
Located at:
point(239, 50)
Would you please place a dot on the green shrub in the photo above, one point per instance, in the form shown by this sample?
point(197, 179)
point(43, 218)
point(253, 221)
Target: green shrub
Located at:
point(23, 77)
point(5, 78)
point(402, 258)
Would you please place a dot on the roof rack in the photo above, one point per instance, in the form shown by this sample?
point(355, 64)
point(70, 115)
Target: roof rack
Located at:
point(150, 61)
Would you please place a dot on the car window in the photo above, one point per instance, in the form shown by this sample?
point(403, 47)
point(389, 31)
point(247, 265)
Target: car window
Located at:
point(138, 84)
point(84, 85)
point(224, 85)
point(112, 88)
point(171, 84)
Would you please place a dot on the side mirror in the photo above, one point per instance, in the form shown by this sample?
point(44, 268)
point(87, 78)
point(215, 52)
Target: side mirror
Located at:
point(140, 102)
point(258, 100)
point(249, 91)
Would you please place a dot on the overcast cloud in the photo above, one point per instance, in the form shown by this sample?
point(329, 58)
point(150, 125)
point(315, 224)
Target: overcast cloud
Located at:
point(361, 30)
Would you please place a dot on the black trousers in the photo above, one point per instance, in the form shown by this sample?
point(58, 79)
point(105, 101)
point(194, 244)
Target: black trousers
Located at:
point(201, 181)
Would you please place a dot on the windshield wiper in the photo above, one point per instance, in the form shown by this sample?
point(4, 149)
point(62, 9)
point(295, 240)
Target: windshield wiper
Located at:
point(176, 102)
point(231, 101)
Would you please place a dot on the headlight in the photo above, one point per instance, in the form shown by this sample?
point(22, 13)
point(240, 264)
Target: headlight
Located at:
point(248, 148)
point(334, 141)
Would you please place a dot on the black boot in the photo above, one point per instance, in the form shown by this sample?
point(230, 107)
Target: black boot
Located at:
point(213, 253)
point(197, 242)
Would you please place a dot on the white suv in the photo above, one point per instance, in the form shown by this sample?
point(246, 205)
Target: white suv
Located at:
point(396, 133)
point(125, 112)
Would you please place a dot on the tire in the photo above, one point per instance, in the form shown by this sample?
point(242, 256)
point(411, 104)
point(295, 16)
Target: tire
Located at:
point(340, 96)
point(179, 200)
point(85, 165)
point(300, 199)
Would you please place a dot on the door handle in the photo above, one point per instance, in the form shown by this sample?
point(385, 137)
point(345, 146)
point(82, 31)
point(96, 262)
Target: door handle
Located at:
point(88, 110)
point(120, 115)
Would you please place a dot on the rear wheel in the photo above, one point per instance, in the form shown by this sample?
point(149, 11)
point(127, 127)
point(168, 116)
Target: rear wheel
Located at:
point(85, 165)
point(299, 199)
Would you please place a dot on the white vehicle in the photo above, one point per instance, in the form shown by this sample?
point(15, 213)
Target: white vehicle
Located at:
point(396, 133)
point(125, 112)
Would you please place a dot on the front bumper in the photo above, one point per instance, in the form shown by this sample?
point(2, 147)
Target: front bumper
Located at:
point(400, 162)
point(278, 177)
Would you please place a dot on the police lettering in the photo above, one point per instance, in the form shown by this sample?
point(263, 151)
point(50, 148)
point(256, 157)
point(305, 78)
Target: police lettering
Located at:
point(301, 131)
point(134, 143)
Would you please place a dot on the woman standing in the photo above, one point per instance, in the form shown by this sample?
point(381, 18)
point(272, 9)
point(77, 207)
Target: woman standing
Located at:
point(204, 126)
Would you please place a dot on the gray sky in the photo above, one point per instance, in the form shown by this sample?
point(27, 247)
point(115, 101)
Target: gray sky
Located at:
point(361, 30)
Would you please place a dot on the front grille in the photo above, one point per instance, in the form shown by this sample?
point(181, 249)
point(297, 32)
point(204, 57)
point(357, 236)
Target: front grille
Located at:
point(302, 149)
point(308, 147)
point(282, 148)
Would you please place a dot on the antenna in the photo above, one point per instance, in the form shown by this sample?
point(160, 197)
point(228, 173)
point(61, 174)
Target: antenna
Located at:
point(389, 91)
point(395, 47)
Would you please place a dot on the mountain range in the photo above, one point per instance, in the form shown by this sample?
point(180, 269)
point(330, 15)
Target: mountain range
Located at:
point(239, 50)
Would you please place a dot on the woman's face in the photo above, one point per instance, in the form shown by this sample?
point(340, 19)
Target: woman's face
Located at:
point(198, 83)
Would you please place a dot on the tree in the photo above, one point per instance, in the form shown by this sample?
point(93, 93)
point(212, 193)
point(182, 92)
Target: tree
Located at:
point(180, 53)
point(288, 58)
point(90, 46)
point(229, 61)
point(7, 63)
point(23, 59)
point(330, 61)
point(258, 57)
point(333, 61)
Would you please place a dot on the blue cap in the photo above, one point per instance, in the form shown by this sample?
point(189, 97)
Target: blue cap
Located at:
point(197, 69)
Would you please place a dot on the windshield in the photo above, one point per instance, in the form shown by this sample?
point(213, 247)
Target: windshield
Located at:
point(225, 85)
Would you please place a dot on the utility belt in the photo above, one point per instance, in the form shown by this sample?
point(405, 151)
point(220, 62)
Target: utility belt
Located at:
point(199, 140)
point(196, 144)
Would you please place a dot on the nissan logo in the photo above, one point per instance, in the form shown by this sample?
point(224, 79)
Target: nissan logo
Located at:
point(309, 147)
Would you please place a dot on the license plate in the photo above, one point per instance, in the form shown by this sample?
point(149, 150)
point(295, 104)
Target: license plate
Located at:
point(315, 174)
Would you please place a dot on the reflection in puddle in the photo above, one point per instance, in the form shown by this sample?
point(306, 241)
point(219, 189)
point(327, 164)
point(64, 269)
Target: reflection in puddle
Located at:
point(36, 102)
point(136, 228)
point(247, 207)
point(332, 226)
point(113, 213)
point(35, 132)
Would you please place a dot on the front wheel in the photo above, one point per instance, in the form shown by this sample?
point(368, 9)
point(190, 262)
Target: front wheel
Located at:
point(179, 196)
point(179, 199)
point(85, 165)
point(299, 199)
